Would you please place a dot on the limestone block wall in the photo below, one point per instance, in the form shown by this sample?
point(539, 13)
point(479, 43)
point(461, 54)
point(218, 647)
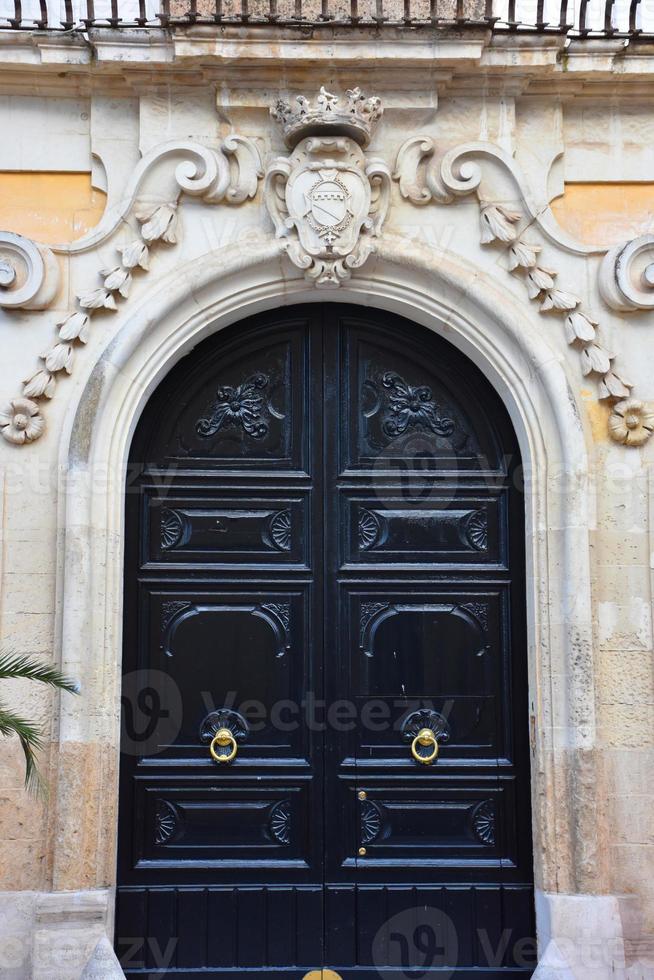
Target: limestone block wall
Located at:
point(576, 130)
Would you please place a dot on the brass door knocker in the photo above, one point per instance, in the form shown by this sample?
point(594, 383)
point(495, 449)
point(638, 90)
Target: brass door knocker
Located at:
point(222, 731)
point(425, 731)
point(425, 738)
point(222, 739)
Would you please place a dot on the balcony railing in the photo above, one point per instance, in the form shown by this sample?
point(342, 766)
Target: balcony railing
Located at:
point(628, 19)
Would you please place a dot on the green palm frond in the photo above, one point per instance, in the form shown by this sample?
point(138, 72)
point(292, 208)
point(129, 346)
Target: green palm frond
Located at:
point(31, 741)
point(15, 666)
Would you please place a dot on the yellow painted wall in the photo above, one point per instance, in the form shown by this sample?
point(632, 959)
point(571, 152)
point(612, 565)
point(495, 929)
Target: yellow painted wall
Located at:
point(49, 207)
point(60, 207)
point(606, 214)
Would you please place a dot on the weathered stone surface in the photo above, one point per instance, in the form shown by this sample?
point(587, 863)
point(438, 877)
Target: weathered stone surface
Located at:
point(103, 964)
point(551, 124)
point(313, 10)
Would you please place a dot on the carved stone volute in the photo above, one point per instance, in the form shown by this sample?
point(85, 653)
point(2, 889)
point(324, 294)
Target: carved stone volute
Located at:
point(29, 274)
point(626, 278)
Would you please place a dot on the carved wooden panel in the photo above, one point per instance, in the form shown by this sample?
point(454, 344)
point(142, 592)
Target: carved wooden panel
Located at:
point(222, 823)
point(430, 650)
point(230, 529)
point(410, 412)
point(437, 822)
point(248, 412)
point(436, 642)
point(237, 407)
point(226, 648)
point(430, 530)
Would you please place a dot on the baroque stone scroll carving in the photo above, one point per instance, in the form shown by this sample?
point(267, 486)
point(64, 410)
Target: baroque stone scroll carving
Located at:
point(423, 178)
point(327, 200)
point(29, 274)
point(230, 174)
point(626, 277)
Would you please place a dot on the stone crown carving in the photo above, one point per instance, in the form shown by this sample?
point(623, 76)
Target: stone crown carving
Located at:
point(329, 115)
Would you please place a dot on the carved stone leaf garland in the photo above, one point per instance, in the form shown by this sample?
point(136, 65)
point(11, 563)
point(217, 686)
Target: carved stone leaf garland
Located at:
point(74, 329)
point(631, 421)
point(201, 172)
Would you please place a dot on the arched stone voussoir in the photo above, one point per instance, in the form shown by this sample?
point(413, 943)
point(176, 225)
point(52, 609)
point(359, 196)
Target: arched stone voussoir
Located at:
point(465, 305)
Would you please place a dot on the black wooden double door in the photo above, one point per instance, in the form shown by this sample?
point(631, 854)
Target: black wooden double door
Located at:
point(325, 582)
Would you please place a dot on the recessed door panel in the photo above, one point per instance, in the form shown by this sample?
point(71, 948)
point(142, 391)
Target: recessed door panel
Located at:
point(467, 825)
point(221, 823)
point(325, 767)
point(240, 408)
point(419, 642)
point(225, 650)
point(231, 529)
point(408, 412)
point(427, 531)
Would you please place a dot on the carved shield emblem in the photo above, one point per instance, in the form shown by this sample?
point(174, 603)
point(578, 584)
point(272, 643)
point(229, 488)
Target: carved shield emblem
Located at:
point(322, 203)
point(328, 207)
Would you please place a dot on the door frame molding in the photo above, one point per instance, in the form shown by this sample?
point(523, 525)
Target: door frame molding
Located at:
point(490, 325)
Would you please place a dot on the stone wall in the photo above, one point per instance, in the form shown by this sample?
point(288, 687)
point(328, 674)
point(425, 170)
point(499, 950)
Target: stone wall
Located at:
point(561, 140)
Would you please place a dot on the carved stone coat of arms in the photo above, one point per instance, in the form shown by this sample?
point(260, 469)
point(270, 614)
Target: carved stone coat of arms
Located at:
point(327, 200)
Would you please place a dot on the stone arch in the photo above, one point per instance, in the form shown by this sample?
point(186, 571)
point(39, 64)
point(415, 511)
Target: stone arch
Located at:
point(464, 304)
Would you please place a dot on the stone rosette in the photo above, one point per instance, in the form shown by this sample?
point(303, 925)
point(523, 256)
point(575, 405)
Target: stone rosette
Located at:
point(631, 422)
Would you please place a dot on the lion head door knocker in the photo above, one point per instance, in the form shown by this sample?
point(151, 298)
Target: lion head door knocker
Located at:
point(425, 730)
point(223, 731)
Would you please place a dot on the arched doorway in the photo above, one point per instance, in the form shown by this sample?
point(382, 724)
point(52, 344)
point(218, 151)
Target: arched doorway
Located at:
point(325, 561)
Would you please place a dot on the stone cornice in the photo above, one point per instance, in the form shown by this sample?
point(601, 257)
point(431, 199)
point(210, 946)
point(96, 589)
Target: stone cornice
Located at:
point(458, 60)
